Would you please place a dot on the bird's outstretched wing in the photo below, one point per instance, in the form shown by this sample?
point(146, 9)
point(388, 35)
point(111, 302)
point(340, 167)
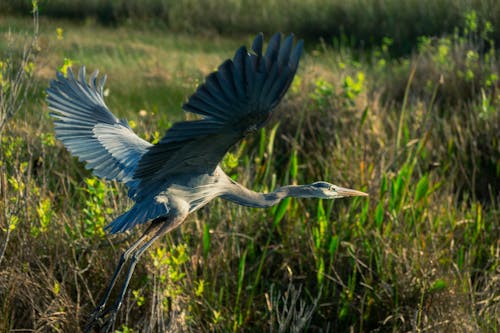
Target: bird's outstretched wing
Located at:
point(234, 100)
point(90, 131)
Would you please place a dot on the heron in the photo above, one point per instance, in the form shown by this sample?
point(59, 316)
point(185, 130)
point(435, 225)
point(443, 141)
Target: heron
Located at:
point(181, 173)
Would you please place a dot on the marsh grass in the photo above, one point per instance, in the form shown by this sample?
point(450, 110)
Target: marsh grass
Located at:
point(364, 23)
point(421, 254)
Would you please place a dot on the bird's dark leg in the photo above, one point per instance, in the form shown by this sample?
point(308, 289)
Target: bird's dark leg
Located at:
point(123, 258)
point(109, 315)
point(99, 310)
point(135, 257)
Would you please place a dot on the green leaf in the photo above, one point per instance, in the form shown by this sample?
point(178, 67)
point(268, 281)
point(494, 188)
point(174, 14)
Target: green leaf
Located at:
point(344, 311)
point(272, 136)
point(438, 285)
point(383, 185)
point(200, 287)
point(321, 270)
point(230, 161)
point(422, 188)
point(262, 143)
point(379, 214)
point(294, 165)
point(334, 245)
point(241, 272)
point(280, 211)
point(322, 221)
point(206, 240)
point(364, 116)
point(56, 288)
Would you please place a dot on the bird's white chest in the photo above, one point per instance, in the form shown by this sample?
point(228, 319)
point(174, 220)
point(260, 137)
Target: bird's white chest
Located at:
point(193, 197)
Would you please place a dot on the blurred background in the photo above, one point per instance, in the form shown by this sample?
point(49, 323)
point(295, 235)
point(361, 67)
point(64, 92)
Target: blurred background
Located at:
point(364, 23)
point(396, 98)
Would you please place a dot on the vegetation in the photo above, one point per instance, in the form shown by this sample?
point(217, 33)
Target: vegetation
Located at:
point(364, 23)
point(419, 133)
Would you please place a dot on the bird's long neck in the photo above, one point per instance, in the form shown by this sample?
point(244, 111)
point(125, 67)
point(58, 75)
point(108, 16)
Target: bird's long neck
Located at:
point(246, 197)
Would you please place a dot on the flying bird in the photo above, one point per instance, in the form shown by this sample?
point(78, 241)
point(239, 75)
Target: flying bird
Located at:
point(181, 173)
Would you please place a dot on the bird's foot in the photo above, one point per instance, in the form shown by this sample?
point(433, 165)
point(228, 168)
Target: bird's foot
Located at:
point(102, 320)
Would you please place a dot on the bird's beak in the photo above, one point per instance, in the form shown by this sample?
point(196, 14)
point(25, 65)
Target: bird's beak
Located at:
point(347, 192)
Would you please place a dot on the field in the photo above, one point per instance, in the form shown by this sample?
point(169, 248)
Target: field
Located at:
point(416, 126)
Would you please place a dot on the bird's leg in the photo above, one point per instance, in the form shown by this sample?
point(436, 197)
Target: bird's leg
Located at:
point(99, 310)
point(166, 227)
point(111, 312)
point(123, 259)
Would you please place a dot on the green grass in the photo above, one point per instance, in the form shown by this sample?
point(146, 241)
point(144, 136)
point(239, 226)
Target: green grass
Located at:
point(419, 133)
point(365, 23)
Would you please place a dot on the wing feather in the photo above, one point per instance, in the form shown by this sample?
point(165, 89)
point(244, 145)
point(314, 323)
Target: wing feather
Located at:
point(238, 72)
point(89, 130)
point(233, 101)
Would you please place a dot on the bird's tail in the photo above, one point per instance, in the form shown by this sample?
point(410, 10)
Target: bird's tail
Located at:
point(140, 213)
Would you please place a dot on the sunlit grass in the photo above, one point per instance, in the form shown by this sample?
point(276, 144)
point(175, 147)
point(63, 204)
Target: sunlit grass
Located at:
point(147, 70)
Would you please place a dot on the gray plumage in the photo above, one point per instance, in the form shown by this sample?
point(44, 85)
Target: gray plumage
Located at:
point(181, 173)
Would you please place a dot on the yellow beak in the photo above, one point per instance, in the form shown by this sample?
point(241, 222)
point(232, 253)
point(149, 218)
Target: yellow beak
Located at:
point(347, 192)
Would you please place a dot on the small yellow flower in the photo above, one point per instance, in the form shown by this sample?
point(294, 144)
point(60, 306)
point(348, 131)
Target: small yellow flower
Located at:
point(59, 32)
point(64, 68)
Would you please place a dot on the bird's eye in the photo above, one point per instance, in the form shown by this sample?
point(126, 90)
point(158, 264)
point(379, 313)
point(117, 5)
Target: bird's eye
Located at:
point(332, 188)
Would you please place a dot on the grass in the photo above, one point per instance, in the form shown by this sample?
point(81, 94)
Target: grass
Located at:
point(365, 23)
point(419, 133)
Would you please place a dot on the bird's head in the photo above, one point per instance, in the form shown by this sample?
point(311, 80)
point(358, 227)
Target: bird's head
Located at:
point(326, 190)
